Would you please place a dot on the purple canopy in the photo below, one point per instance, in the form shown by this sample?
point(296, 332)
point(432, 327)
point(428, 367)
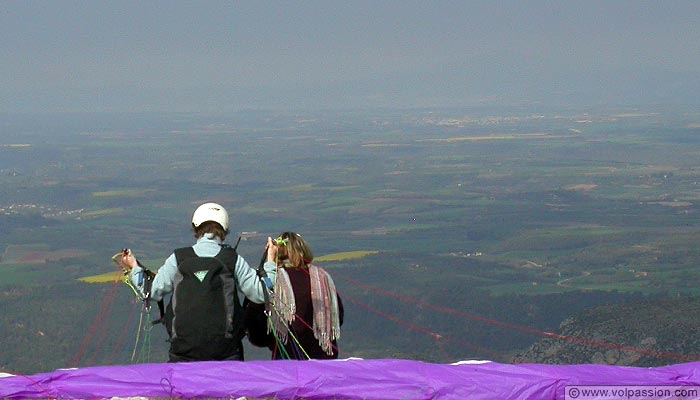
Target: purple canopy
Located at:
point(338, 379)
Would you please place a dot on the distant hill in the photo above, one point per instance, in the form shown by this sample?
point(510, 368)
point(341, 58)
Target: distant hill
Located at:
point(625, 334)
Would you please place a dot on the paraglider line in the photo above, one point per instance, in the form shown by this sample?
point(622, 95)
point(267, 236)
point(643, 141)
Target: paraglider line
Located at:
point(654, 353)
point(107, 301)
point(432, 334)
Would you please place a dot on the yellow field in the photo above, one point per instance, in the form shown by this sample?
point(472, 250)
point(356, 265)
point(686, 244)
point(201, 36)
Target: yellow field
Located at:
point(581, 187)
point(382, 145)
point(122, 193)
point(302, 188)
point(495, 137)
point(106, 211)
point(116, 276)
point(347, 255)
point(672, 203)
point(634, 115)
point(103, 278)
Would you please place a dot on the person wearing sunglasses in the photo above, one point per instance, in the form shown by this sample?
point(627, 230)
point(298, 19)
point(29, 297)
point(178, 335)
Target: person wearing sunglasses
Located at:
point(304, 314)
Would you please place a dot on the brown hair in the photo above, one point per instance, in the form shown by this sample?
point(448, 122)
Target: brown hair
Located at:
point(209, 227)
point(297, 250)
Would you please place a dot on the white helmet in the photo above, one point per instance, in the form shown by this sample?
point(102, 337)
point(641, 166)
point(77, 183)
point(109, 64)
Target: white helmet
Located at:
point(210, 212)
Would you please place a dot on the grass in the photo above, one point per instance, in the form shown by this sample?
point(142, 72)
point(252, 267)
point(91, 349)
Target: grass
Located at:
point(527, 288)
point(14, 274)
point(37, 254)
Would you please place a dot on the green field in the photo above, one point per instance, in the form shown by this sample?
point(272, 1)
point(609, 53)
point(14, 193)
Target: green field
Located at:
point(519, 219)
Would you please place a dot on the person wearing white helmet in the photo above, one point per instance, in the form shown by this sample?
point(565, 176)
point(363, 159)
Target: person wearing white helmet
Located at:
point(208, 282)
point(210, 212)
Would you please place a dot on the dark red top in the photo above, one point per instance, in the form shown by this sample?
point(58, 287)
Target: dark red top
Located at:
point(301, 327)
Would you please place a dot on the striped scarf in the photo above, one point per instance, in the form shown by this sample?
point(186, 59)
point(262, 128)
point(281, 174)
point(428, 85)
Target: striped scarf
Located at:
point(324, 300)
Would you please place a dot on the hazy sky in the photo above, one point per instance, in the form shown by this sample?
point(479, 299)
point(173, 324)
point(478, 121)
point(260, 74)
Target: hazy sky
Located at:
point(223, 56)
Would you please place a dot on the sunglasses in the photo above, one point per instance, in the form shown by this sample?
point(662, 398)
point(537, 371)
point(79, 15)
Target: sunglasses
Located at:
point(283, 239)
point(280, 242)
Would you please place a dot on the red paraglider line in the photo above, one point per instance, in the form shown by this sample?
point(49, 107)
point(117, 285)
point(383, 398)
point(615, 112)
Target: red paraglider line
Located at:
point(125, 329)
point(309, 327)
point(103, 331)
point(107, 302)
point(657, 354)
point(434, 335)
point(34, 383)
point(109, 299)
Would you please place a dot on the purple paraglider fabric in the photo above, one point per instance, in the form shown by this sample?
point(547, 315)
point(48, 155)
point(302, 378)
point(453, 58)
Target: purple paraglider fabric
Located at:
point(337, 379)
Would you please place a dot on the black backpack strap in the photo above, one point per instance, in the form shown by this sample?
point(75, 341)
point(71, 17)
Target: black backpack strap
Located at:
point(166, 314)
point(183, 254)
point(237, 243)
point(229, 257)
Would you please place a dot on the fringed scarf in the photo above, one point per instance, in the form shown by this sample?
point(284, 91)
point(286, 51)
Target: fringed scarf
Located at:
point(324, 300)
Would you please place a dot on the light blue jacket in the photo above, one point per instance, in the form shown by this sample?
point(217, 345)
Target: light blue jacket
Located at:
point(207, 246)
